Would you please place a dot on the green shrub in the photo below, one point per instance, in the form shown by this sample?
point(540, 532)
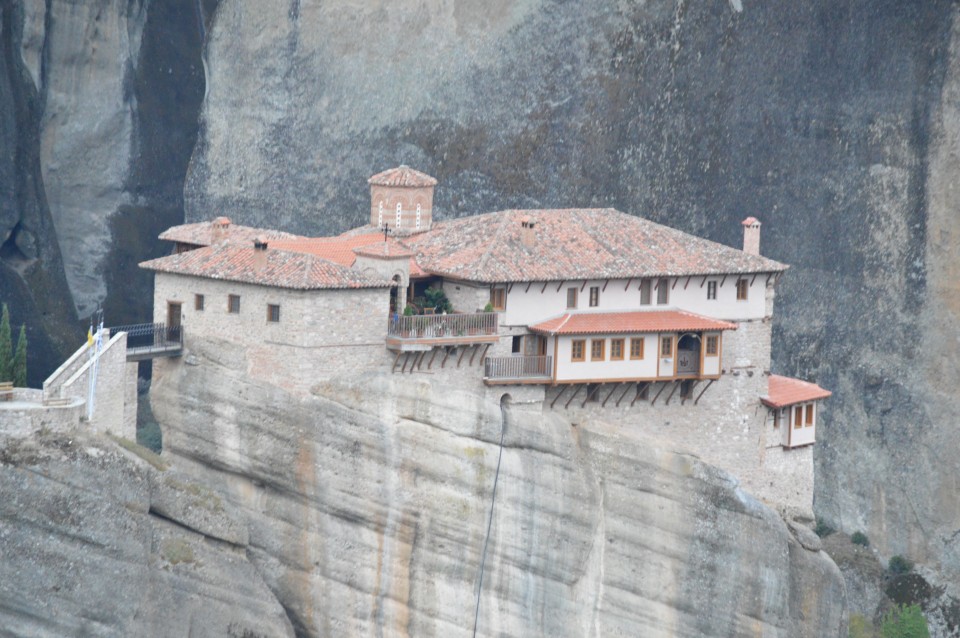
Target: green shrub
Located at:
point(437, 299)
point(823, 529)
point(19, 364)
point(904, 622)
point(859, 538)
point(900, 565)
point(488, 307)
point(6, 346)
point(150, 437)
point(408, 311)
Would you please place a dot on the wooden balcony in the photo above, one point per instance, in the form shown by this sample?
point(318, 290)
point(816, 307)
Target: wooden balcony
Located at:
point(423, 332)
point(517, 369)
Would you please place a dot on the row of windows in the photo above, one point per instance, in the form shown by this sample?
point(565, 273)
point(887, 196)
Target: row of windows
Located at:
point(233, 307)
point(798, 417)
point(598, 348)
point(399, 215)
point(498, 296)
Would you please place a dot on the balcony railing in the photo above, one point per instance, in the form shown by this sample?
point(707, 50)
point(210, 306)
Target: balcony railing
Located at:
point(442, 326)
point(150, 340)
point(517, 367)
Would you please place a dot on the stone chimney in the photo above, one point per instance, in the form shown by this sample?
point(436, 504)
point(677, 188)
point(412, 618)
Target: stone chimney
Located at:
point(259, 253)
point(402, 199)
point(219, 229)
point(528, 233)
point(751, 236)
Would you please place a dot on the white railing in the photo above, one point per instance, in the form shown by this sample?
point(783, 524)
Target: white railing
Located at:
point(518, 367)
point(440, 326)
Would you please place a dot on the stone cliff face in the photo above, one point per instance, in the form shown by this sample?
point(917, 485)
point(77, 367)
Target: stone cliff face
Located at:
point(368, 503)
point(97, 542)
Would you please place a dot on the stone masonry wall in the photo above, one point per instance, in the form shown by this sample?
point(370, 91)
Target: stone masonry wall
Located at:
point(114, 407)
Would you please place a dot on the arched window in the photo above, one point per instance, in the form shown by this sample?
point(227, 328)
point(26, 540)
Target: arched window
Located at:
point(399, 210)
point(380, 215)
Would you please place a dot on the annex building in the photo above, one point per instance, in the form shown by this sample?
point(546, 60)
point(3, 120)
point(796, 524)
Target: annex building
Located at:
point(592, 312)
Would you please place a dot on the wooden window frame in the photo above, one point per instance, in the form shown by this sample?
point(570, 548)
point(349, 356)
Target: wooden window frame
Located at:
point(498, 298)
point(270, 313)
point(808, 421)
point(636, 353)
point(603, 349)
point(198, 302)
point(594, 296)
point(663, 291)
point(572, 298)
point(614, 343)
point(711, 340)
point(743, 287)
point(666, 351)
point(582, 343)
point(711, 290)
point(230, 304)
point(798, 417)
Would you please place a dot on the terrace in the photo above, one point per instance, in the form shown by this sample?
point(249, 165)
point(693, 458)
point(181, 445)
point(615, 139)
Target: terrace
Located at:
point(423, 332)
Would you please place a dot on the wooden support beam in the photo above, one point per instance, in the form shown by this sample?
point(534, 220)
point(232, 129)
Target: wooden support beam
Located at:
point(484, 355)
point(769, 275)
point(420, 360)
point(528, 287)
point(641, 388)
point(590, 394)
point(676, 384)
point(723, 281)
point(675, 282)
point(612, 390)
point(560, 286)
point(605, 282)
point(463, 351)
point(395, 361)
point(563, 389)
point(627, 287)
point(473, 354)
point(625, 390)
point(576, 391)
point(432, 357)
point(662, 388)
point(702, 391)
point(544, 289)
point(406, 357)
point(754, 278)
point(704, 281)
point(584, 285)
point(446, 353)
point(683, 400)
point(777, 278)
point(688, 282)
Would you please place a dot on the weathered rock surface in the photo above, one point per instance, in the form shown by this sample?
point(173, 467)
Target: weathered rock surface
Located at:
point(368, 505)
point(94, 541)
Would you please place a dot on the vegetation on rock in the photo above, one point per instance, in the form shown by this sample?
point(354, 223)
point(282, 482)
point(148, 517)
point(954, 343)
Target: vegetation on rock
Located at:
point(904, 622)
point(19, 363)
point(900, 565)
point(6, 349)
point(859, 538)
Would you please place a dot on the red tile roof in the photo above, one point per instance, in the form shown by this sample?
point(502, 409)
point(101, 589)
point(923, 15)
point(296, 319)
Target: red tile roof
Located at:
point(784, 391)
point(341, 249)
point(402, 175)
point(384, 249)
point(750, 221)
point(572, 244)
point(623, 322)
point(280, 268)
point(203, 233)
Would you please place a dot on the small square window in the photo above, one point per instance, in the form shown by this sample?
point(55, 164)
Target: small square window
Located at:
point(666, 346)
point(616, 349)
point(233, 304)
point(713, 345)
point(711, 290)
point(571, 297)
point(273, 312)
point(645, 287)
point(498, 298)
point(742, 286)
point(198, 302)
point(597, 349)
point(636, 348)
point(576, 350)
point(594, 296)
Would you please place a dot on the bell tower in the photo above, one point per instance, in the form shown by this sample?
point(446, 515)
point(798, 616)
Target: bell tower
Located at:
point(402, 199)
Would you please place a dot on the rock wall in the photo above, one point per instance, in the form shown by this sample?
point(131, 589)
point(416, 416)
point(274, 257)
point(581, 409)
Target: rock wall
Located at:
point(368, 504)
point(95, 541)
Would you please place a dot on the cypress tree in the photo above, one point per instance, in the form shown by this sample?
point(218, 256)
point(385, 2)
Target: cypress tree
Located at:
point(6, 347)
point(20, 360)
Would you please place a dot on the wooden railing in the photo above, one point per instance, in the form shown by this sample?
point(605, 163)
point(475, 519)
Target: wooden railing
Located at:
point(518, 367)
point(438, 326)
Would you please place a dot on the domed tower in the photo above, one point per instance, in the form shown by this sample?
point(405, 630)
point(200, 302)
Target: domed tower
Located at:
point(402, 199)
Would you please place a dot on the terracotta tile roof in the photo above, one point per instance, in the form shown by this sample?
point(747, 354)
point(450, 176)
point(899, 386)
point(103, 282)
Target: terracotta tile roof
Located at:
point(280, 268)
point(572, 244)
point(402, 175)
point(203, 233)
point(784, 391)
point(750, 221)
point(623, 322)
point(340, 249)
point(384, 249)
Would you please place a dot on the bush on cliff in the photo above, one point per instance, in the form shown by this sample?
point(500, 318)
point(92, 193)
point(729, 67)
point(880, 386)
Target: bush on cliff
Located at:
point(859, 538)
point(6, 347)
point(904, 622)
point(900, 565)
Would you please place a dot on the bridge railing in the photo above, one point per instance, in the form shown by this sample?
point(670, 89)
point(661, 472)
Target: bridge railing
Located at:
point(151, 336)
